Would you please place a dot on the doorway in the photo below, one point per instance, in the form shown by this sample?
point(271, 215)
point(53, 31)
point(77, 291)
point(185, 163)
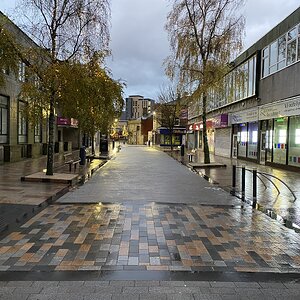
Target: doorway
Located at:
point(263, 145)
point(234, 145)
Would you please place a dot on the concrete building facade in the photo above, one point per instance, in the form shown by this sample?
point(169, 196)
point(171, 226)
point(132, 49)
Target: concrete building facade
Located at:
point(257, 115)
point(19, 138)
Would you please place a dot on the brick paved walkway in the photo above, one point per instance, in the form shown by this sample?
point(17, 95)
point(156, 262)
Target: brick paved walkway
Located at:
point(282, 204)
point(171, 237)
point(200, 249)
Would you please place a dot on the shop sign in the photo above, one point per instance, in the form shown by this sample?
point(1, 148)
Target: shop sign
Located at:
point(180, 131)
point(220, 121)
point(184, 114)
point(198, 126)
point(190, 127)
point(63, 121)
point(74, 122)
point(244, 116)
point(175, 130)
point(282, 109)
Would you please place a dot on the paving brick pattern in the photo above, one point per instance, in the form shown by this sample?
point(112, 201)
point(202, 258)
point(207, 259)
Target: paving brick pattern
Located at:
point(169, 237)
point(166, 290)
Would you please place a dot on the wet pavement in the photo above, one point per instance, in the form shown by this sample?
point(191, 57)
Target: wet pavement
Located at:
point(143, 227)
point(157, 237)
point(21, 200)
point(283, 204)
point(144, 174)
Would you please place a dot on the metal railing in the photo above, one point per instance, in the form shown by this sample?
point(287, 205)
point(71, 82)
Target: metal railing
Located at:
point(255, 175)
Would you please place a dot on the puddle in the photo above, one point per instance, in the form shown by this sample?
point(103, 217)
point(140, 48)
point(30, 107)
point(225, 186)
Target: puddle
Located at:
point(273, 215)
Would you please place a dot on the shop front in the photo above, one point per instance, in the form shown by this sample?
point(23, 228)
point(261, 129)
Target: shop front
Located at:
point(245, 134)
point(280, 132)
point(177, 136)
point(67, 134)
point(218, 126)
point(194, 135)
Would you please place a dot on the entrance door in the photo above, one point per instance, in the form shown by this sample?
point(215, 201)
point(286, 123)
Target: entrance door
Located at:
point(263, 145)
point(234, 146)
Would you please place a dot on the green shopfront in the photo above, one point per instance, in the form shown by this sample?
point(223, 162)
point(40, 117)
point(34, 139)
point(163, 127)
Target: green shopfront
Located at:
point(280, 127)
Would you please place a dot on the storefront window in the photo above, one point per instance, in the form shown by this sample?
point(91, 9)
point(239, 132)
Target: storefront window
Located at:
point(22, 123)
point(3, 119)
point(242, 140)
point(176, 140)
point(294, 141)
point(280, 136)
point(253, 137)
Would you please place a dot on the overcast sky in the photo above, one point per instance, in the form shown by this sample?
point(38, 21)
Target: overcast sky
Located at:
point(139, 43)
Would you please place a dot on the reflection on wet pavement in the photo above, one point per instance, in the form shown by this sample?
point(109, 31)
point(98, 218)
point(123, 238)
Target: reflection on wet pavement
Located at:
point(282, 204)
point(151, 237)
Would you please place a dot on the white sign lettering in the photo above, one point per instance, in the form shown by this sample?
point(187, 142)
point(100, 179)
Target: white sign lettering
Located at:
point(244, 116)
point(282, 109)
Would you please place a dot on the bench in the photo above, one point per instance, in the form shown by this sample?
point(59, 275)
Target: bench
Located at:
point(89, 155)
point(69, 160)
point(191, 156)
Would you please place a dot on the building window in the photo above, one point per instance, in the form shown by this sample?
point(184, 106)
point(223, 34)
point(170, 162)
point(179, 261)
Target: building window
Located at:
point(265, 62)
point(253, 137)
point(294, 141)
point(242, 140)
point(239, 84)
point(273, 57)
point(22, 123)
point(38, 133)
point(297, 136)
point(291, 52)
point(3, 119)
point(282, 52)
point(21, 75)
point(280, 138)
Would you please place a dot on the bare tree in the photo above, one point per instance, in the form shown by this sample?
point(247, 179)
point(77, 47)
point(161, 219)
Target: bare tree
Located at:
point(204, 36)
point(67, 29)
point(168, 110)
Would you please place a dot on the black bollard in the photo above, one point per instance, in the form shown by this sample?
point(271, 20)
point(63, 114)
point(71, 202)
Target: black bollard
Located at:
point(233, 180)
point(243, 182)
point(254, 187)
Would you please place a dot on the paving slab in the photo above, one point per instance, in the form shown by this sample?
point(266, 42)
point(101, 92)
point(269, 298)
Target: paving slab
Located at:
point(143, 174)
point(70, 179)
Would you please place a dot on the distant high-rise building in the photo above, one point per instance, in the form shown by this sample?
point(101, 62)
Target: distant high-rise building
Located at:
point(137, 106)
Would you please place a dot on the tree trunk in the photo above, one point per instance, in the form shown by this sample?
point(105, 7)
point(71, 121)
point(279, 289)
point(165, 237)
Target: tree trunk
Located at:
point(50, 155)
point(205, 142)
point(93, 145)
point(171, 138)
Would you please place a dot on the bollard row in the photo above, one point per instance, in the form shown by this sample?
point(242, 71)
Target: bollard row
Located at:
point(243, 191)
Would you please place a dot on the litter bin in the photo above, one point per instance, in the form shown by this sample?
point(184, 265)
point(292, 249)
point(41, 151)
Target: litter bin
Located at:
point(103, 146)
point(182, 150)
point(82, 155)
point(66, 146)
point(56, 147)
